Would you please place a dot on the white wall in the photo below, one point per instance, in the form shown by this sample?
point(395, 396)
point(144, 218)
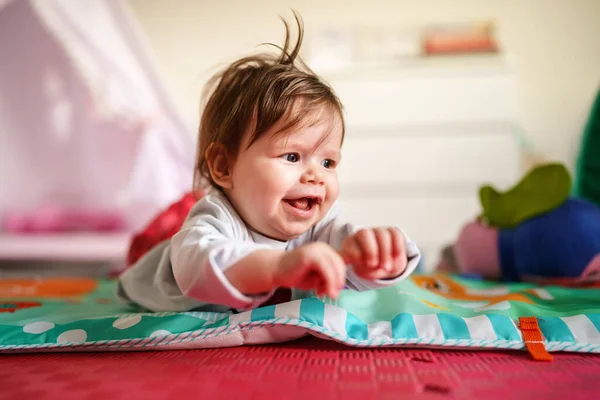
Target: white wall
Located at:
point(555, 45)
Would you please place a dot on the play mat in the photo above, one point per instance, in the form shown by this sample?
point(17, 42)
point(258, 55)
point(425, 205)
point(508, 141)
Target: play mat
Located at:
point(79, 314)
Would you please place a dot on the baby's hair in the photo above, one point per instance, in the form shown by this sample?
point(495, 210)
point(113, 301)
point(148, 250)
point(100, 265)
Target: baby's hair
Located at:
point(255, 93)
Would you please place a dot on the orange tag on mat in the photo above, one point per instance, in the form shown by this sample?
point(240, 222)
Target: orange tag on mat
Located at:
point(532, 335)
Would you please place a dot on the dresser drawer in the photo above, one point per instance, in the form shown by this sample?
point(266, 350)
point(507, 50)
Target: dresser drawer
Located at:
point(467, 159)
point(425, 219)
point(429, 98)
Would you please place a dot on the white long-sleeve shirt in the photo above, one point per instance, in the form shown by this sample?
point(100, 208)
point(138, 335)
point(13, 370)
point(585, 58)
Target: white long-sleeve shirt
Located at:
point(188, 271)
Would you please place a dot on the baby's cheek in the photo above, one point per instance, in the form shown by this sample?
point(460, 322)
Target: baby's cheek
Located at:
point(333, 191)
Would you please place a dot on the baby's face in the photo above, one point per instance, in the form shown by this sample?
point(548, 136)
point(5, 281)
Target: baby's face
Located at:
point(284, 184)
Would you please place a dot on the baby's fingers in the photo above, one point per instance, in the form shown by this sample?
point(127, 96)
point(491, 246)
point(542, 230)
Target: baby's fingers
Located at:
point(312, 281)
point(398, 245)
point(384, 242)
point(351, 252)
point(337, 265)
point(327, 278)
point(368, 245)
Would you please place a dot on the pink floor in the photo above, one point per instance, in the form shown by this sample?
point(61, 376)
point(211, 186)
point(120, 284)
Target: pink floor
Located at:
point(307, 369)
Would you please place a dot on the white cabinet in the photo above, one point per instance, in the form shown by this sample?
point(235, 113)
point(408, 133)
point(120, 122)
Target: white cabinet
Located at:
point(419, 143)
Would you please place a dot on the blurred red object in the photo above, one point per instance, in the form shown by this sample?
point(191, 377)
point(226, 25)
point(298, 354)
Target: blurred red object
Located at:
point(461, 38)
point(162, 227)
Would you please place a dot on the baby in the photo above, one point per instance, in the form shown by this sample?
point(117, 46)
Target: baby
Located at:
point(269, 146)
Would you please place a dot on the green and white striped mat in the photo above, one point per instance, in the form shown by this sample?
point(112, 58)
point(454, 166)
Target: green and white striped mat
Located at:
point(436, 310)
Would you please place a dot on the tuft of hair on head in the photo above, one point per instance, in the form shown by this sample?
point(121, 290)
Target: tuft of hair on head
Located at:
point(252, 94)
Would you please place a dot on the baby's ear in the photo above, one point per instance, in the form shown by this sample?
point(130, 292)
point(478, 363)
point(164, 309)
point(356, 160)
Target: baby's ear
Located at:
point(219, 165)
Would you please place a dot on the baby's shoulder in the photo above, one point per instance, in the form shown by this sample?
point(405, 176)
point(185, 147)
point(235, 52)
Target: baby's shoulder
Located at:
point(214, 211)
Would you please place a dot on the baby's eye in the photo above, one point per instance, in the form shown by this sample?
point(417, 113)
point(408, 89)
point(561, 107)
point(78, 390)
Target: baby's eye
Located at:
point(291, 157)
point(328, 163)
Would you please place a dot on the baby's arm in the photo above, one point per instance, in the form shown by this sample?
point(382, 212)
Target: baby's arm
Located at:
point(255, 273)
point(210, 244)
point(315, 266)
point(214, 263)
point(379, 256)
point(247, 280)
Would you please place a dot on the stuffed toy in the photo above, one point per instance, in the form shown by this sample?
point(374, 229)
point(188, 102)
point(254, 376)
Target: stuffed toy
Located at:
point(533, 231)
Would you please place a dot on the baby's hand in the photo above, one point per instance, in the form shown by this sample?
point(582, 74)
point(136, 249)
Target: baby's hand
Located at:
point(376, 253)
point(315, 266)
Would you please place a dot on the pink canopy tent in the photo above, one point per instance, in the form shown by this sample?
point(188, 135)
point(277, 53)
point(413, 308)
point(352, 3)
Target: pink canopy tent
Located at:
point(87, 128)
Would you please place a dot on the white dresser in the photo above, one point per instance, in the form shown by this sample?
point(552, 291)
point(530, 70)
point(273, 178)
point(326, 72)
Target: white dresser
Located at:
point(421, 140)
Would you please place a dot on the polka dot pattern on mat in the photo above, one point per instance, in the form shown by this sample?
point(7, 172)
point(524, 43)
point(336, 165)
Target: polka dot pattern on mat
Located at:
point(72, 336)
point(127, 322)
point(38, 327)
point(160, 332)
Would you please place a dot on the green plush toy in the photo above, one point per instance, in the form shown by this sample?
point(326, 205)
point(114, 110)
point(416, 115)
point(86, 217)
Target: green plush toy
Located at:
point(541, 190)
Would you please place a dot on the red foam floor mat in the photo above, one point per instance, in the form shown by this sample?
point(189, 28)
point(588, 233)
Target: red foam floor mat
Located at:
point(304, 369)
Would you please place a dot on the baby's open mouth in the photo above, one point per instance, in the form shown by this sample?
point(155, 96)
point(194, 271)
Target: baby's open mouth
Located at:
point(303, 203)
